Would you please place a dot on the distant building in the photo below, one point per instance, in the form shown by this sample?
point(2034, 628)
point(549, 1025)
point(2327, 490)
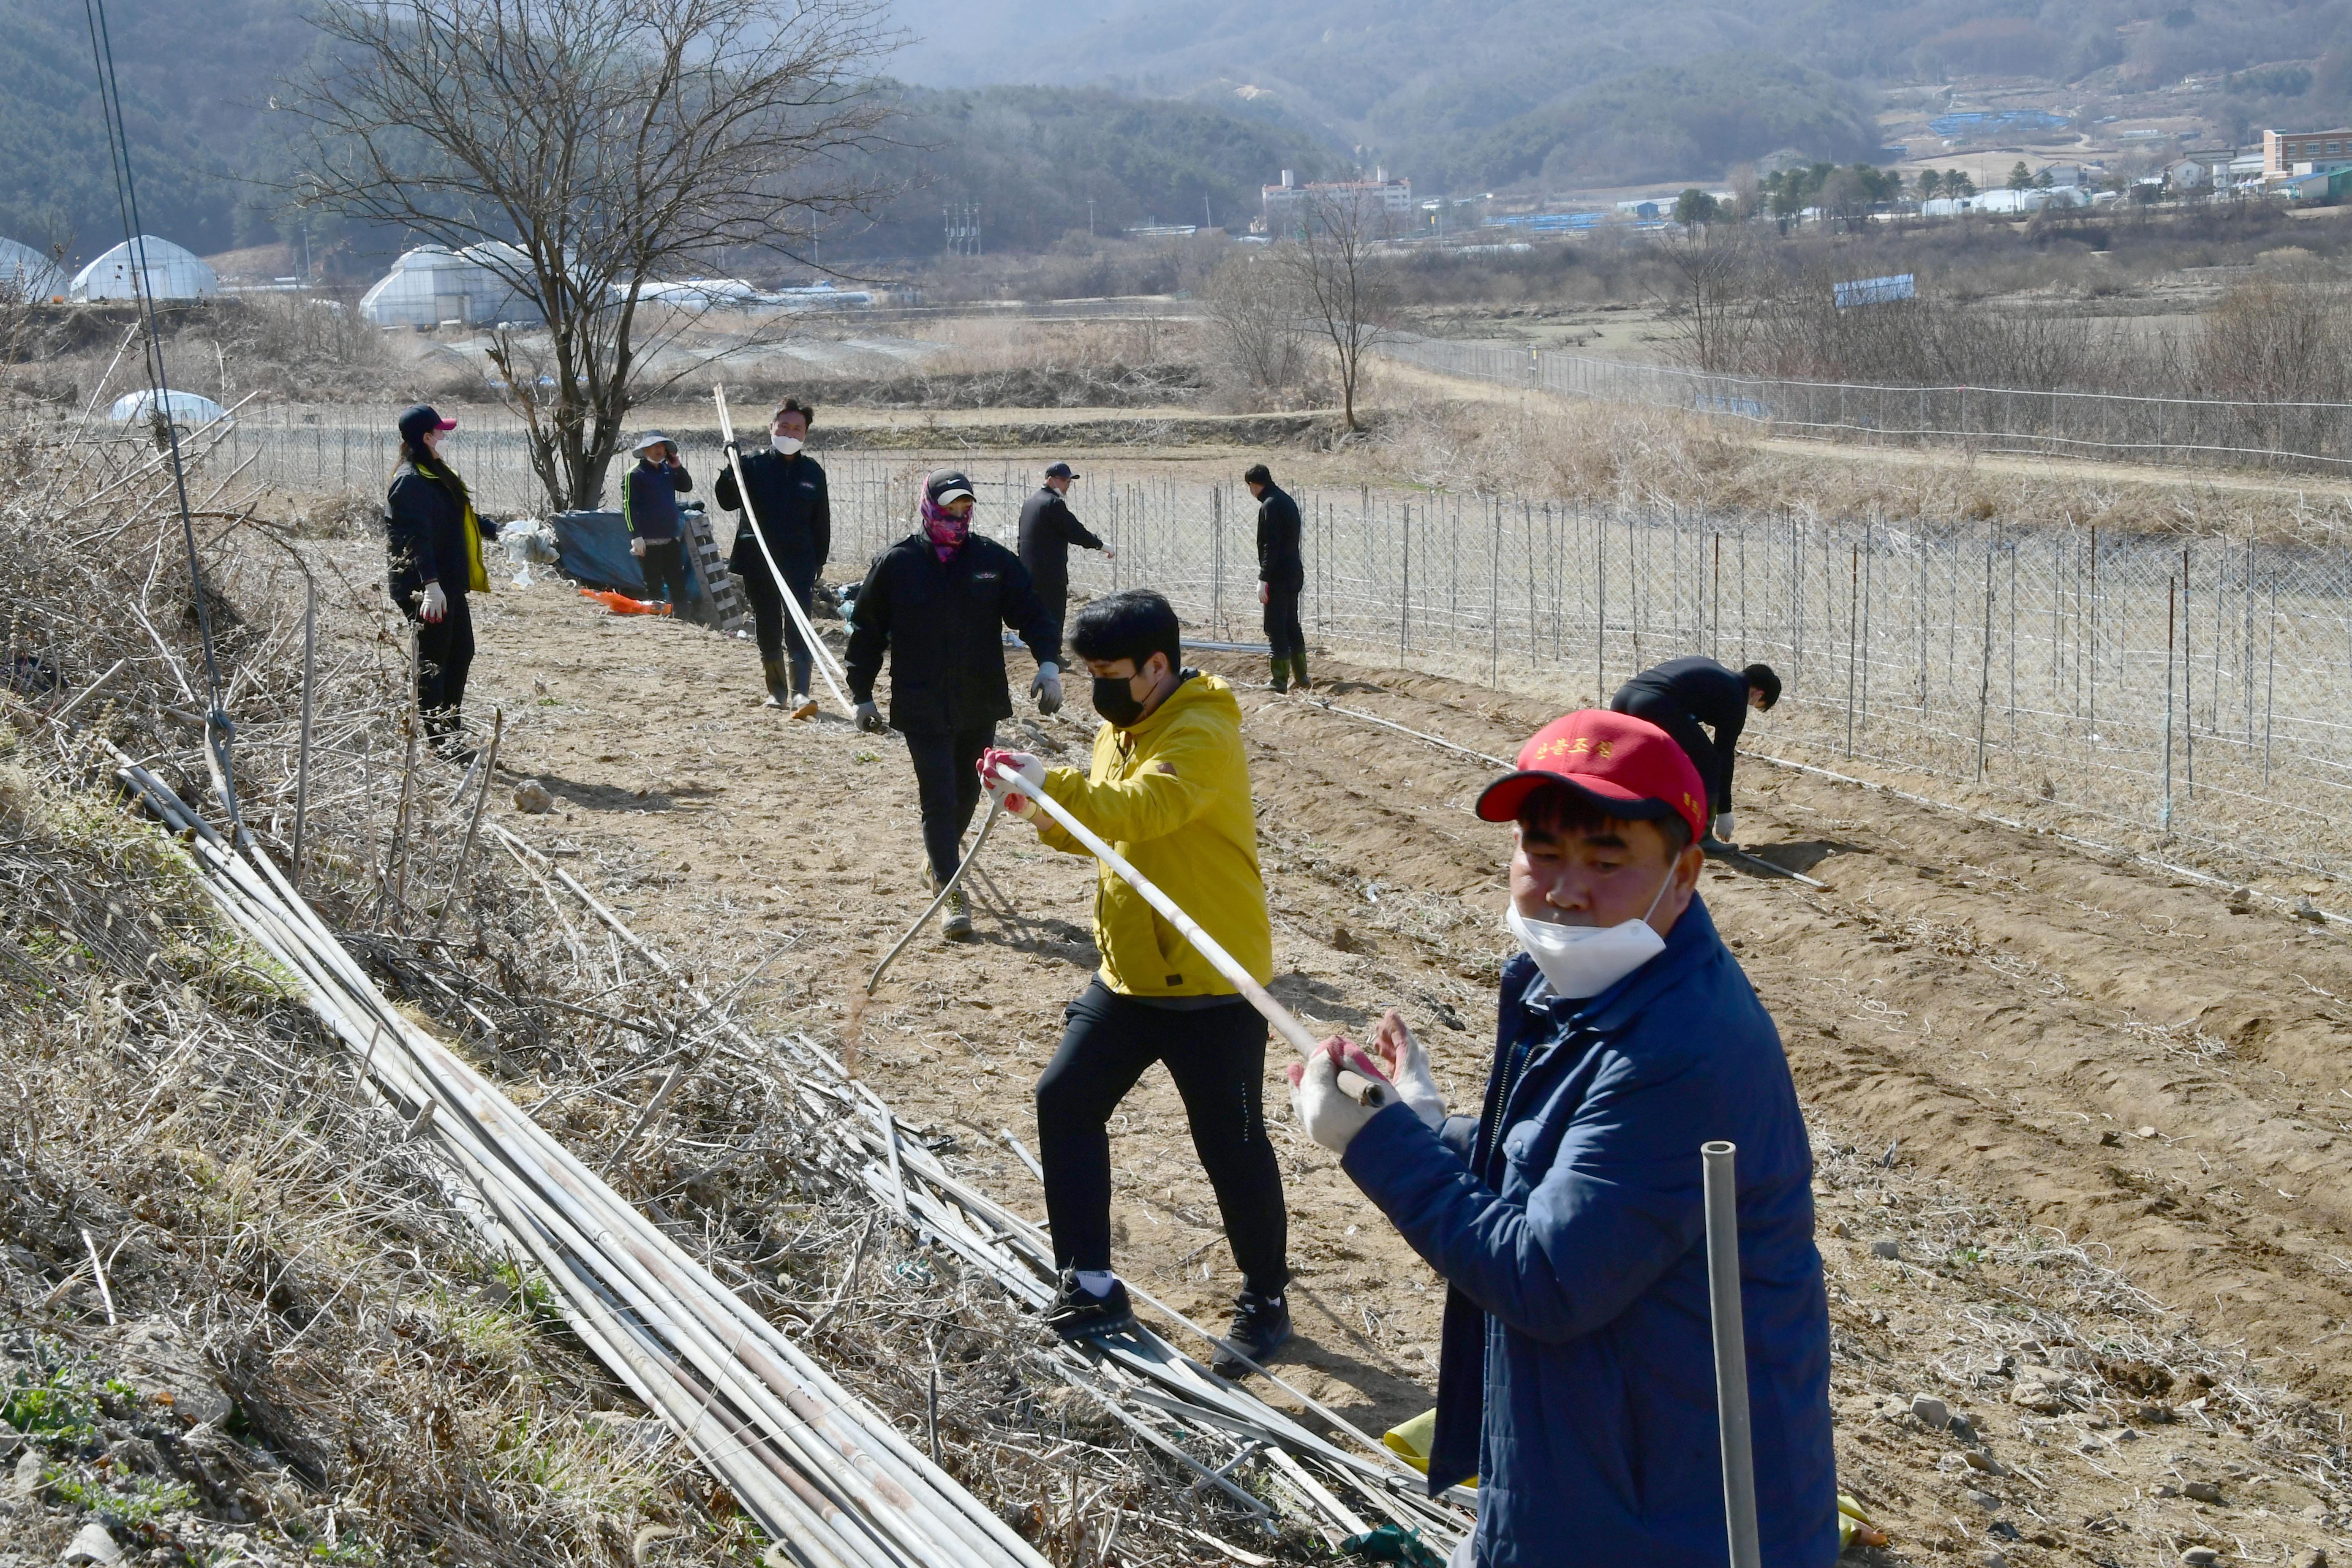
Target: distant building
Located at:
point(1378, 202)
point(433, 286)
point(2189, 174)
point(26, 275)
point(2288, 152)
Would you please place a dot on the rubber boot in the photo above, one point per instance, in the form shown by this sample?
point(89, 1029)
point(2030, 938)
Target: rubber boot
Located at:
point(780, 689)
point(1281, 675)
point(1299, 672)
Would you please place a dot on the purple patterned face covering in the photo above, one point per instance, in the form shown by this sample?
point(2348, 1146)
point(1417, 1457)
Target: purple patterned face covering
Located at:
point(946, 531)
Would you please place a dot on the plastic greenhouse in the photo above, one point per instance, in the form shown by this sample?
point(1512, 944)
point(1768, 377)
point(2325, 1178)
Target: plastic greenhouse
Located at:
point(27, 274)
point(189, 411)
point(431, 285)
point(172, 273)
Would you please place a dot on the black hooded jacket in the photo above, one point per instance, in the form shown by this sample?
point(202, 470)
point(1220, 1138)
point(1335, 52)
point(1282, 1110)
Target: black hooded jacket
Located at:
point(1048, 532)
point(1279, 562)
point(941, 622)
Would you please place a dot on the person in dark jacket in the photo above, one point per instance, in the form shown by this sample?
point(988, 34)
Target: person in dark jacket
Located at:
point(937, 602)
point(1281, 576)
point(1680, 695)
point(649, 507)
point(1576, 1374)
point(795, 517)
point(1048, 532)
point(435, 542)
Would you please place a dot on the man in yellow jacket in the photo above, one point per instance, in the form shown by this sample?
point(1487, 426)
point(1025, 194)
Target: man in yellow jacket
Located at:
point(1170, 789)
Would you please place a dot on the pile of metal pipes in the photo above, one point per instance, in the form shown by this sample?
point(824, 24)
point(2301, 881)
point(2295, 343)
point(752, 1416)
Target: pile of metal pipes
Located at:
point(826, 1476)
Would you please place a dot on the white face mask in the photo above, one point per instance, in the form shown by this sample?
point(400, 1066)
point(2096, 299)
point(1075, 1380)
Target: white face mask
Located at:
point(1585, 961)
point(787, 445)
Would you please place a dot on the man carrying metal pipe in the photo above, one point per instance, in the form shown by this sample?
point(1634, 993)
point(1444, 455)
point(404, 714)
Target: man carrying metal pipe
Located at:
point(1683, 694)
point(1169, 787)
point(1568, 1217)
point(794, 513)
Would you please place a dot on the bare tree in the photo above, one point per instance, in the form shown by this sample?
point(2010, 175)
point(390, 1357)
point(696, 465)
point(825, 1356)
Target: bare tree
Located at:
point(1714, 277)
point(1255, 321)
point(582, 148)
point(1334, 268)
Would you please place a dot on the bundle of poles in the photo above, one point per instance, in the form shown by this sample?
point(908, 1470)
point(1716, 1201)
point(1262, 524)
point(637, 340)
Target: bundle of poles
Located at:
point(828, 1478)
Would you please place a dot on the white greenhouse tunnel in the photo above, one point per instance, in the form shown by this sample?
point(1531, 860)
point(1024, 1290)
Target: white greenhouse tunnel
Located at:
point(27, 274)
point(431, 285)
point(171, 273)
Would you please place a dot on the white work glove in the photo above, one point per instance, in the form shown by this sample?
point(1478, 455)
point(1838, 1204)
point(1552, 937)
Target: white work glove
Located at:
point(1045, 688)
point(1110, 552)
point(1393, 1046)
point(1723, 828)
point(436, 603)
point(1323, 1108)
point(637, 547)
point(1019, 802)
point(869, 718)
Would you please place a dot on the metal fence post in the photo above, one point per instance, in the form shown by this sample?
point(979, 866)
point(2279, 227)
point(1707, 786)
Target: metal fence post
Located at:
point(1404, 581)
point(1495, 599)
point(1984, 668)
point(1217, 571)
point(2270, 685)
point(2172, 599)
point(1853, 671)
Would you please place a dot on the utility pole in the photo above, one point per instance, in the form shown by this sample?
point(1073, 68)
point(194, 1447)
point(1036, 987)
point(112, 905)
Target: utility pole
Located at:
point(1091, 217)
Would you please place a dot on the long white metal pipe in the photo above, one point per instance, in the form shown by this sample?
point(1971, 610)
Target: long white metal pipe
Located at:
point(1721, 1164)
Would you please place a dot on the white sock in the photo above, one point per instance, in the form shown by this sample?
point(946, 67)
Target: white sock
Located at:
point(1097, 1281)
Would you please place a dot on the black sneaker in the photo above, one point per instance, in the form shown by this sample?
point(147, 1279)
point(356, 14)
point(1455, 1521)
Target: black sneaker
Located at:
point(1261, 1326)
point(1077, 1313)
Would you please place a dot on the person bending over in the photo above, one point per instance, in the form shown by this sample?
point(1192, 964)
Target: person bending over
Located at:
point(1169, 786)
point(936, 602)
point(1683, 694)
point(1576, 1378)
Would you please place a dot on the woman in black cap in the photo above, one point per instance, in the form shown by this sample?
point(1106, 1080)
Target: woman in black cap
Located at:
point(436, 544)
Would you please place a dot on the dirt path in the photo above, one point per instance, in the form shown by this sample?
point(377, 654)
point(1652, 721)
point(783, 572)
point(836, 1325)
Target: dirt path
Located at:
point(2100, 1118)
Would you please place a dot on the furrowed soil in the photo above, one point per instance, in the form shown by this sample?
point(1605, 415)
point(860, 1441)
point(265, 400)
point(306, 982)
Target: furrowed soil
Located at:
point(2080, 1130)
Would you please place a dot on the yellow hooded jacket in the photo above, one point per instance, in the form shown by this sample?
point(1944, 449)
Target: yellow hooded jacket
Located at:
point(1172, 795)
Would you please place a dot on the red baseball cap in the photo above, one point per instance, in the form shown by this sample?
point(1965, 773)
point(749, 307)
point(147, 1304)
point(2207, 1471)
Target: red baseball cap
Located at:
point(1626, 766)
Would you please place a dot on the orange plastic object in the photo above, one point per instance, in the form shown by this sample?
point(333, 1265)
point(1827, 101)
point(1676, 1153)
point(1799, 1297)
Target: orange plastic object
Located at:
point(621, 605)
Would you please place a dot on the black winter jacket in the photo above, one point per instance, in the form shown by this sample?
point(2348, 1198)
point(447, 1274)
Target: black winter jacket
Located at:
point(941, 622)
point(1279, 562)
point(1708, 692)
point(424, 535)
point(795, 512)
point(649, 499)
point(1048, 532)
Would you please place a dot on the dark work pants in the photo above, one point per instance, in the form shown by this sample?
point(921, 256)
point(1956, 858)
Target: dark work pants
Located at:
point(1217, 1056)
point(445, 652)
point(769, 625)
point(1285, 639)
point(1688, 733)
point(947, 777)
point(666, 574)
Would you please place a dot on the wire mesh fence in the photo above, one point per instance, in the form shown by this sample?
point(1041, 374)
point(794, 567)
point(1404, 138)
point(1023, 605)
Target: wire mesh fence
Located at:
point(2199, 691)
point(2309, 436)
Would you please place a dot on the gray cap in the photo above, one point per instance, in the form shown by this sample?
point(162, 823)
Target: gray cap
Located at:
point(652, 438)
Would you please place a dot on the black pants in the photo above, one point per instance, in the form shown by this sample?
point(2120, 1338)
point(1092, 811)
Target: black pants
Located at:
point(1688, 733)
point(445, 652)
point(1217, 1056)
point(769, 625)
point(666, 574)
point(1285, 639)
point(947, 777)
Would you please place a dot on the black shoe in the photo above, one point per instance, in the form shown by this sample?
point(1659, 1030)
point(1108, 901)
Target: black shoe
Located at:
point(1261, 1326)
point(1077, 1313)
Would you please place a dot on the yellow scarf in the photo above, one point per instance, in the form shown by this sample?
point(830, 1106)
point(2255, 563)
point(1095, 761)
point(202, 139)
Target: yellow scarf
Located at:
point(478, 576)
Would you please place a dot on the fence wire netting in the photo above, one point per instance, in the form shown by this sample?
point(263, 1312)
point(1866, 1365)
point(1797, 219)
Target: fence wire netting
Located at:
point(2197, 692)
point(2295, 435)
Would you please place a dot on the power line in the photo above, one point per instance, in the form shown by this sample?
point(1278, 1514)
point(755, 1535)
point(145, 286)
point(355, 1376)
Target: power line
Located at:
point(220, 733)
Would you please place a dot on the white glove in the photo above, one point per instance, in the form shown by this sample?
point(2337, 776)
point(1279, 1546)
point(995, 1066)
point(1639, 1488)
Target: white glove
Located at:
point(1323, 1108)
point(1110, 552)
point(1015, 797)
point(436, 604)
point(1723, 828)
point(1408, 1066)
point(1045, 688)
point(869, 718)
point(637, 547)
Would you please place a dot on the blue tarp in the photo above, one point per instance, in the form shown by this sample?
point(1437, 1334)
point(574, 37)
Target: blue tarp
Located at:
point(593, 550)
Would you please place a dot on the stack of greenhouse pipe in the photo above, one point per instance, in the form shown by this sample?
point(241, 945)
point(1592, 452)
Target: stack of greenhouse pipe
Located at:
point(826, 1476)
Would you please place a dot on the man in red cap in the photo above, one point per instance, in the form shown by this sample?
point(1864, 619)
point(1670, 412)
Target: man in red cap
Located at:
point(1577, 1376)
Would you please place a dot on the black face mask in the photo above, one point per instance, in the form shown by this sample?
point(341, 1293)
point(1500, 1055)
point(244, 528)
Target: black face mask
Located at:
point(1116, 700)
